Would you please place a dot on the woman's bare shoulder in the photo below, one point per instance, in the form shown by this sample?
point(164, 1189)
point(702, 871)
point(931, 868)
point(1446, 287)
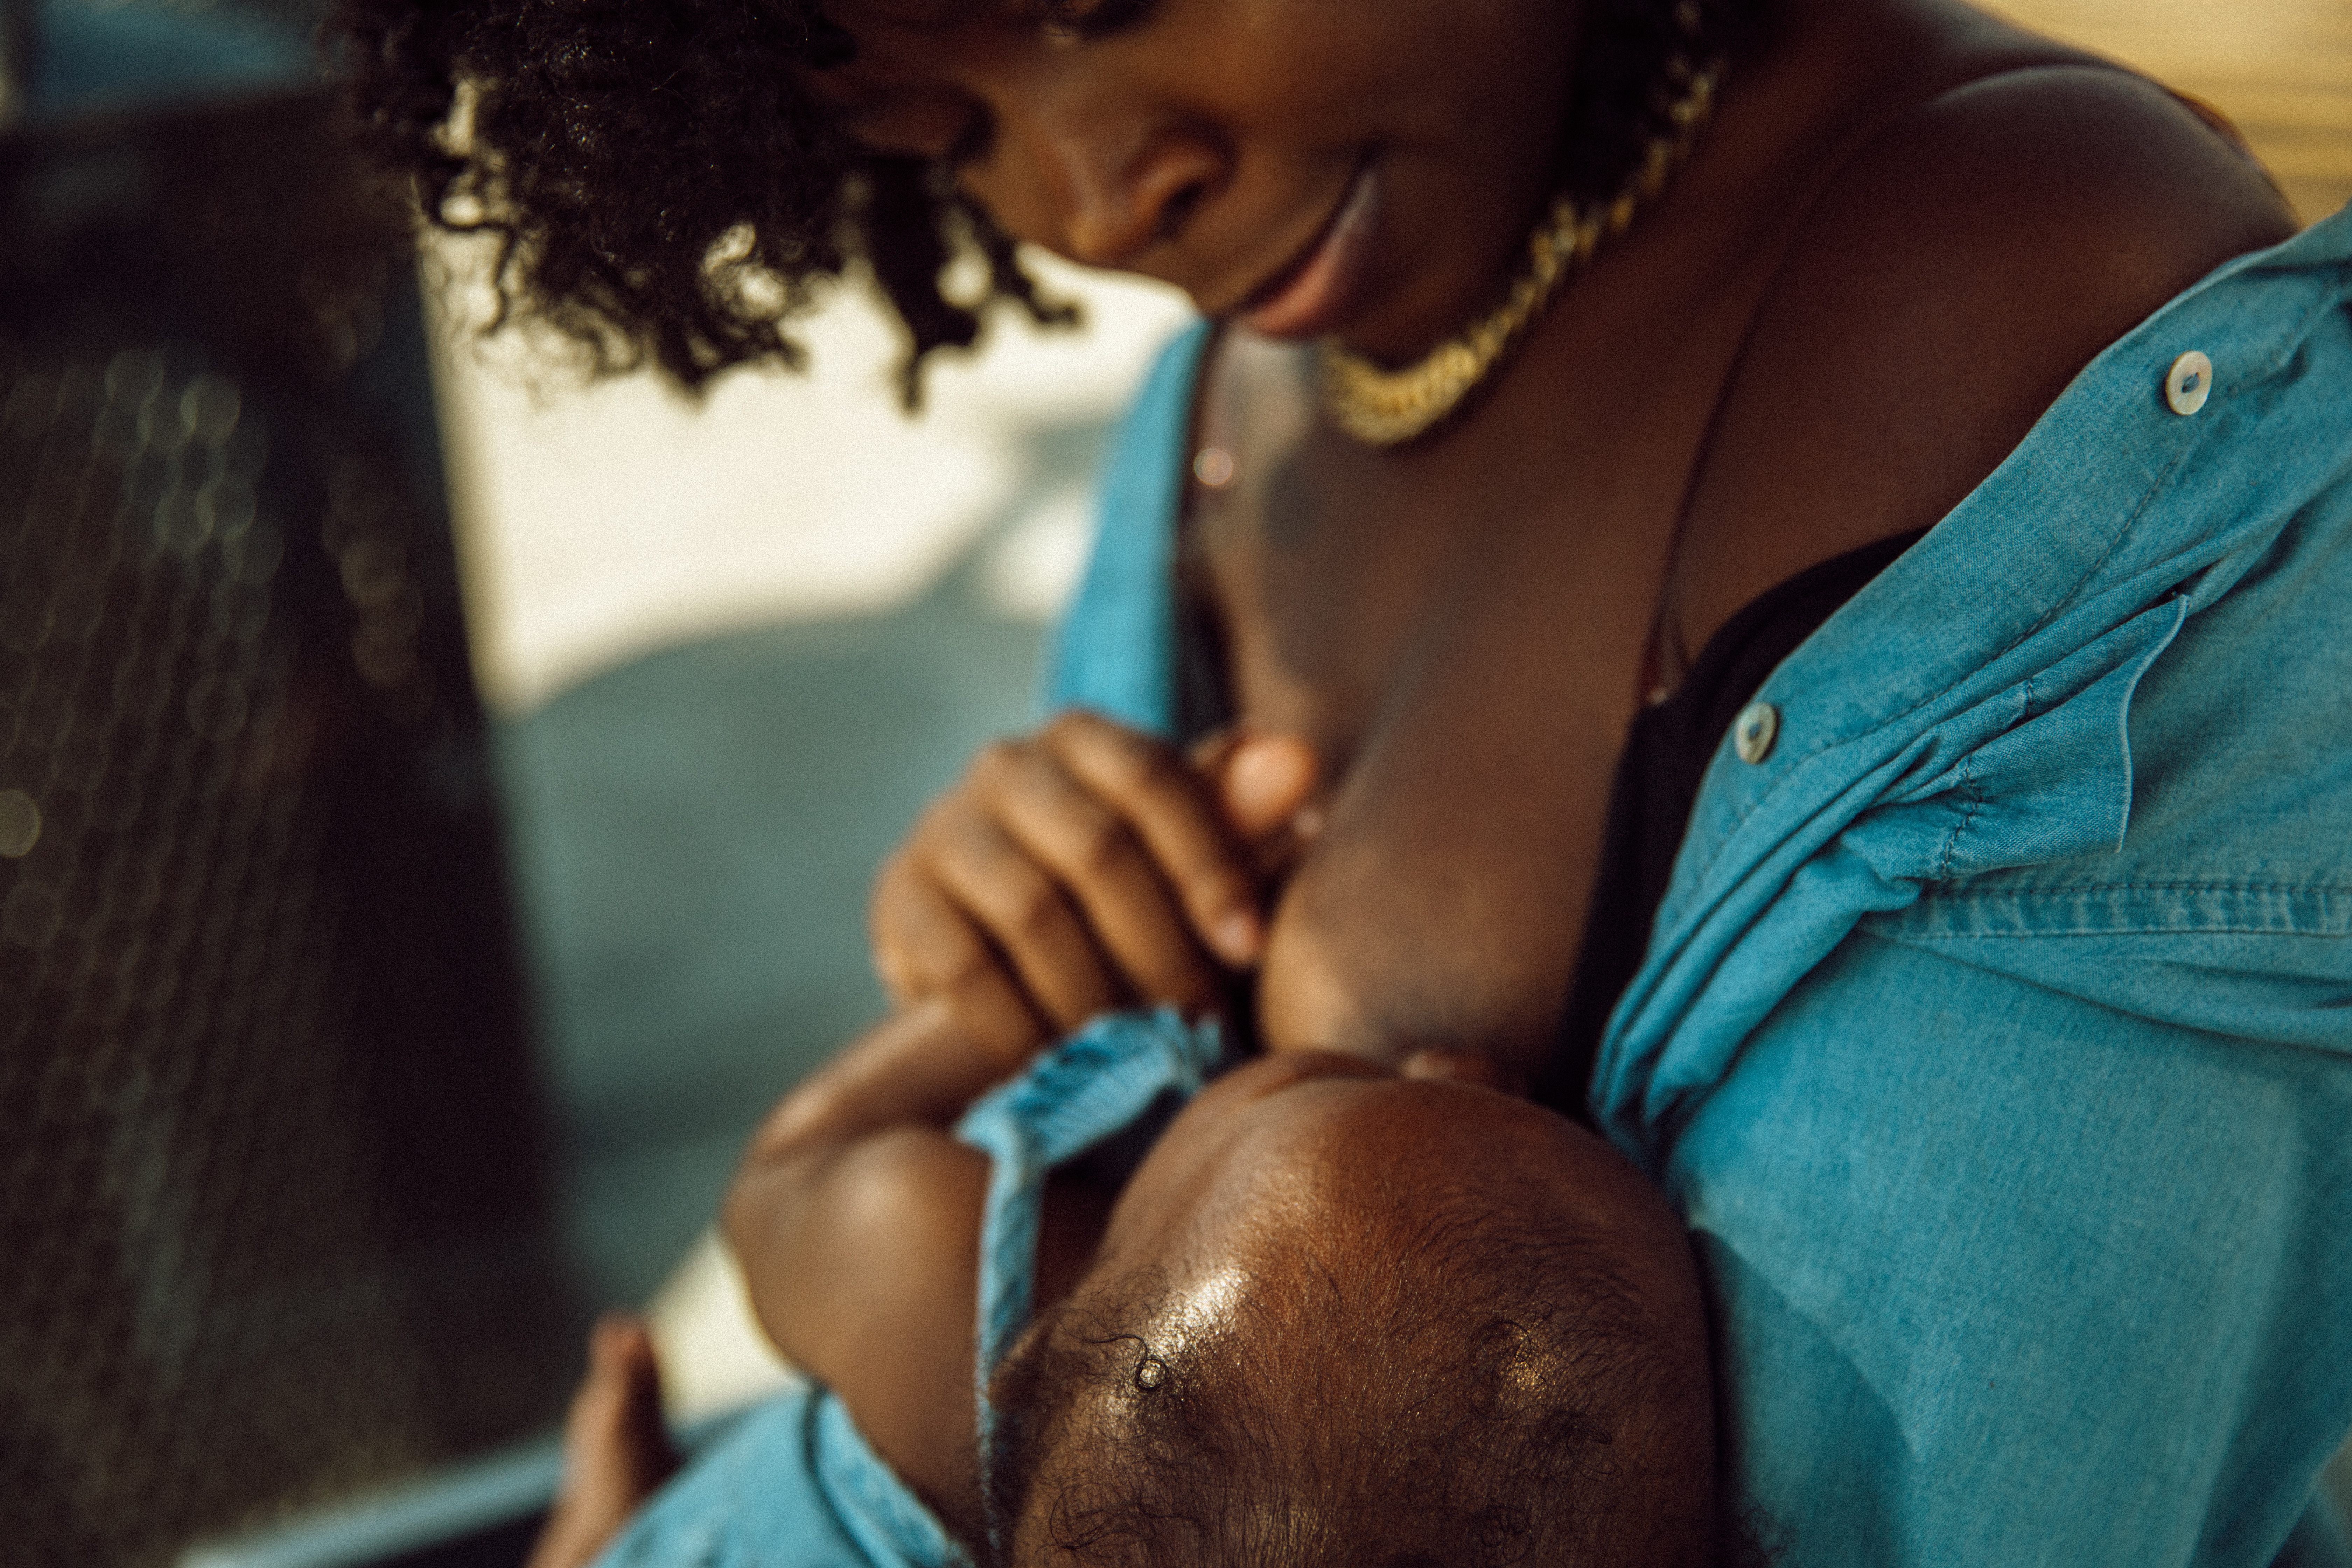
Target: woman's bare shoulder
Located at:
point(1944, 287)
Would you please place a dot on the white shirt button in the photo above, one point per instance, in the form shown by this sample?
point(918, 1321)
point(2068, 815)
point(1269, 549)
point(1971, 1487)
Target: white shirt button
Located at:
point(2190, 383)
point(1753, 732)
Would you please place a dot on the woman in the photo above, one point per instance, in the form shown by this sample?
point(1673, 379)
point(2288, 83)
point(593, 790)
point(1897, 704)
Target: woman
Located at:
point(1989, 1031)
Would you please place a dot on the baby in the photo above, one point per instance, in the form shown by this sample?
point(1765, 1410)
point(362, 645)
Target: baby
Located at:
point(1307, 1308)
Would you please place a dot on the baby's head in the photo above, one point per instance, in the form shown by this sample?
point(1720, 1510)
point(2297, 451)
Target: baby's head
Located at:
point(1344, 1317)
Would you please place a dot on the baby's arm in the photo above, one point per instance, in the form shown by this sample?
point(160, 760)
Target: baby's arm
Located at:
point(856, 1216)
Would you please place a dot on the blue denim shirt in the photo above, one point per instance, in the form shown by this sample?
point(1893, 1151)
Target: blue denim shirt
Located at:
point(1995, 1034)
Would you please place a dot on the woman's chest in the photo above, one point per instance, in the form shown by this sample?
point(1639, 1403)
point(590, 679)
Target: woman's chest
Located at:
point(1463, 639)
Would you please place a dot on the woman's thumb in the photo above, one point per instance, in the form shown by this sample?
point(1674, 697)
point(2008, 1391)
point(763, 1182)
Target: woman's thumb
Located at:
point(1262, 782)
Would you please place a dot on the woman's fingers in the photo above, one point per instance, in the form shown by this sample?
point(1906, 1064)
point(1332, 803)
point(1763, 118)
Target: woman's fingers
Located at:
point(1086, 867)
point(927, 947)
point(1264, 782)
point(988, 870)
point(1094, 852)
point(1163, 800)
point(1269, 788)
point(616, 1450)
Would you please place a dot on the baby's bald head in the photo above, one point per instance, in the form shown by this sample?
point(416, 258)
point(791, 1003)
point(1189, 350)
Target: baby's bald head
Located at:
point(1366, 1320)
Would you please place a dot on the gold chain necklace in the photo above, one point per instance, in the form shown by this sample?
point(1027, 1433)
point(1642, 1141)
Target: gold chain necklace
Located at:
point(1389, 408)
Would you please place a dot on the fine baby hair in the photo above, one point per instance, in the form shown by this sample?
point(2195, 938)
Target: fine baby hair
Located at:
point(1451, 1383)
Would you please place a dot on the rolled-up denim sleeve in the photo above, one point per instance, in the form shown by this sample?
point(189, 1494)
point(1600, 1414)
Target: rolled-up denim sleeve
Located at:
point(793, 1484)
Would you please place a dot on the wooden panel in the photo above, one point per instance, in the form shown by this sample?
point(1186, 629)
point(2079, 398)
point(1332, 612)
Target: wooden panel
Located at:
point(2281, 68)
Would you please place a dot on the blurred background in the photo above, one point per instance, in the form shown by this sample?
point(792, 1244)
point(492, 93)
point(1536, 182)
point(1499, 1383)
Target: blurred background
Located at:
point(511, 755)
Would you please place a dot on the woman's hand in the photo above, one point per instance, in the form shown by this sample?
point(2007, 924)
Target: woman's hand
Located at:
point(1085, 867)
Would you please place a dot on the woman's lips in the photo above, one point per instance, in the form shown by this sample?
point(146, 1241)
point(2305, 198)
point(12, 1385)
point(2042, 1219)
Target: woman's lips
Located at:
point(1311, 294)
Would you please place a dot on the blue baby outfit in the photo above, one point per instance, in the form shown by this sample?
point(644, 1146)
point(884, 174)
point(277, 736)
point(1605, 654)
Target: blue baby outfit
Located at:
point(1995, 1034)
point(795, 1484)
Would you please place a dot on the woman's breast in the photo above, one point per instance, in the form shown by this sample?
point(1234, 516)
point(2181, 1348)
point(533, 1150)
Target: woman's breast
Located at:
point(1445, 899)
point(1382, 973)
point(1460, 632)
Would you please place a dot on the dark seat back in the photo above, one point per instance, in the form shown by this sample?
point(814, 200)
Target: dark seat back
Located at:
point(273, 1211)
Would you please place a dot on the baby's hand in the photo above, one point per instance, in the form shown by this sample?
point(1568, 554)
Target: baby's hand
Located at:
point(1085, 868)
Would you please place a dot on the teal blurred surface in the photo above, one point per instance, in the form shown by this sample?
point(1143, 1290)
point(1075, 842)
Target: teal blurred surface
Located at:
point(695, 835)
point(110, 55)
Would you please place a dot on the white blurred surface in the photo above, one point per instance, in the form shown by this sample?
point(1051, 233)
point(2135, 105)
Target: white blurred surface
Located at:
point(714, 1356)
point(600, 522)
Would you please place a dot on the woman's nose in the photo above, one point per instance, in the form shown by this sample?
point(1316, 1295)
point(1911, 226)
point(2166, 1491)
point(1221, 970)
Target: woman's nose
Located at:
point(1115, 195)
point(1095, 187)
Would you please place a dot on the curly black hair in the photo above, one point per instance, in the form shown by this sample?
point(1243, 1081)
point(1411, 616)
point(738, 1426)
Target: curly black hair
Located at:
point(661, 187)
